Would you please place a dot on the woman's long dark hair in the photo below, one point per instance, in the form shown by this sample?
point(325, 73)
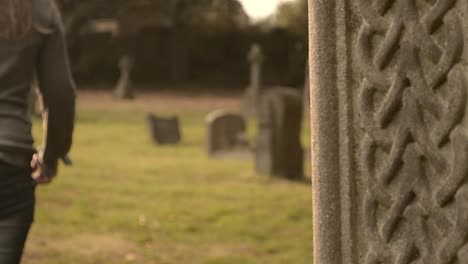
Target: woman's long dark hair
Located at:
point(15, 18)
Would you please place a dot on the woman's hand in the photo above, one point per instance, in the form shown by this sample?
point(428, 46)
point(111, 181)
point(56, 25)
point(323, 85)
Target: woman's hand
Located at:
point(43, 173)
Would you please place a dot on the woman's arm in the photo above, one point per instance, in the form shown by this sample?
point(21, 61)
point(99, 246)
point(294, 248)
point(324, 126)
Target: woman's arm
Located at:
point(58, 94)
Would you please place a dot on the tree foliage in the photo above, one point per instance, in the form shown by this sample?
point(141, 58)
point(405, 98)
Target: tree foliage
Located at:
point(134, 15)
point(292, 15)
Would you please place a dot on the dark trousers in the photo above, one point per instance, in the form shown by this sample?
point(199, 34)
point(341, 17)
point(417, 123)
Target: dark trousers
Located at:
point(16, 211)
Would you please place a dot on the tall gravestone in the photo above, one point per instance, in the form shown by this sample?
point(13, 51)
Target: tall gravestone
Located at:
point(252, 94)
point(278, 148)
point(389, 131)
point(226, 133)
point(124, 88)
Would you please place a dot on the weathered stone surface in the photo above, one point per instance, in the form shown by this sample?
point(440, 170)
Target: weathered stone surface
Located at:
point(389, 131)
point(226, 132)
point(164, 130)
point(278, 148)
point(253, 91)
point(124, 88)
point(306, 92)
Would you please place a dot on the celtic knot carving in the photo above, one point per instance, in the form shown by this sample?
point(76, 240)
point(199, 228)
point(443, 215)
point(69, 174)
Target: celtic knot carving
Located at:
point(414, 156)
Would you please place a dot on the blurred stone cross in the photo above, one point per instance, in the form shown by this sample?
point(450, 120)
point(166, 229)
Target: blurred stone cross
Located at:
point(252, 94)
point(124, 88)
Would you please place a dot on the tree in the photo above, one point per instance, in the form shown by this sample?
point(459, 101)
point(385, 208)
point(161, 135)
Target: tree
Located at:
point(292, 15)
point(178, 18)
point(137, 14)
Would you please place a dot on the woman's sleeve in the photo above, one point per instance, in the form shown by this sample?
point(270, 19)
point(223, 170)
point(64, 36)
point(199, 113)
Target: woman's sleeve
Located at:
point(58, 94)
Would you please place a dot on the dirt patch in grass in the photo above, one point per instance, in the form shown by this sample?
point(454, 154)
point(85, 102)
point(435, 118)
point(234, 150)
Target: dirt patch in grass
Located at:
point(158, 101)
point(94, 249)
point(175, 253)
point(82, 249)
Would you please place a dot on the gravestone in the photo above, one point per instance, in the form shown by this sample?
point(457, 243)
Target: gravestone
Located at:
point(389, 131)
point(253, 91)
point(124, 88)
point(278, 148)
point(164, 130)
point(226, 133)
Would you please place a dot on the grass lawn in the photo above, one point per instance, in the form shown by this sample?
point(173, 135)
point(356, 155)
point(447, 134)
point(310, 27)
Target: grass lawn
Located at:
point(126, 200)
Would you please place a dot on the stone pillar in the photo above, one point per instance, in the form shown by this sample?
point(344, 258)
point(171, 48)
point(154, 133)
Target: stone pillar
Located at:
point(253, 91)
point(388, 110)
point(306, 91)
point(124, 88)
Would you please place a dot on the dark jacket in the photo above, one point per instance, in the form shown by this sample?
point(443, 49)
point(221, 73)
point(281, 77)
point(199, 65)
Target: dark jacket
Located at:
point(41, 53)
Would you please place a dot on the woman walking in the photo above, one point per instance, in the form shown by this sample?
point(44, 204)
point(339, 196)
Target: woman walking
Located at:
point(31, 44)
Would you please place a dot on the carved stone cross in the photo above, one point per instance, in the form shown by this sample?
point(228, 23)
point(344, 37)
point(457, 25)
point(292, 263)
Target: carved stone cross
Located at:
point(389, 131)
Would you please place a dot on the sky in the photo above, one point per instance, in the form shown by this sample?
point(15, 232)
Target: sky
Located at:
point(260, 8)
